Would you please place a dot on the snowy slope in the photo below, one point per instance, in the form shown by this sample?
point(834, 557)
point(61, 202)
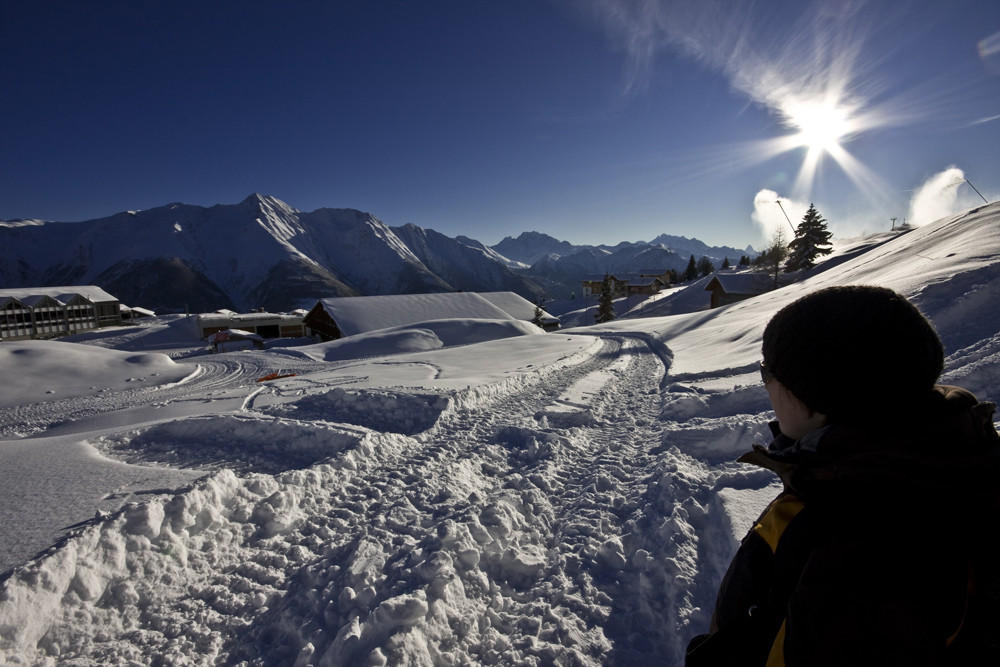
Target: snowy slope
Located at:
point(540, 499)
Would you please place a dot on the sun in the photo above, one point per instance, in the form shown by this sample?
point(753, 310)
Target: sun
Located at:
point(821, 124)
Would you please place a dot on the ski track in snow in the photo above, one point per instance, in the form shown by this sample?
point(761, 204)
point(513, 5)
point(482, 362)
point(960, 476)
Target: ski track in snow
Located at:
point(540, 520)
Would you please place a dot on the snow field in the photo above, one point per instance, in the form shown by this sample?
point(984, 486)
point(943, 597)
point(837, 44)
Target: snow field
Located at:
point(556, 499)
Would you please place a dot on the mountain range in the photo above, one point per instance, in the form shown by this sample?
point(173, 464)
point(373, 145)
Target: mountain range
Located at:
point(263, 254)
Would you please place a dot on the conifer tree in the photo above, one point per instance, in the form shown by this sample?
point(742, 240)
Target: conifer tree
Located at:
point(691, 272)
point(725, 262)
point(605, 304)
point(812, 239)
point(705, 267)
point(537, 319)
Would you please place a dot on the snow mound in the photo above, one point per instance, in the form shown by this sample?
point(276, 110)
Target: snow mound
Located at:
point(242, 443)
point(378, 410)
point(72, 370)
point(430, 335)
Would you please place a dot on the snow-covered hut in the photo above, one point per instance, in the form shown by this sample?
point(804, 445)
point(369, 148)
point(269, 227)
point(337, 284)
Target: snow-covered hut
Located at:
point(349, 316)
point(727, 288)
point(520, 308)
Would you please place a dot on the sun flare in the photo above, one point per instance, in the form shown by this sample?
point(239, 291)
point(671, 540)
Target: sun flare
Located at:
point(821, 124)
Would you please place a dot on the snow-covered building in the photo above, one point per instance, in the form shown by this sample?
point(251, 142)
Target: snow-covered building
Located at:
point(130, 313)
point(266, 325)
point(520, 308)
point(229, 340)
point(349, 316)
point(49, 312)
point(647, 281)
point(727, 288)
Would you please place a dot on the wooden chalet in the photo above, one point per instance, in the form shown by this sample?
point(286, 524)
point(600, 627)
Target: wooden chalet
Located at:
point(727, 288)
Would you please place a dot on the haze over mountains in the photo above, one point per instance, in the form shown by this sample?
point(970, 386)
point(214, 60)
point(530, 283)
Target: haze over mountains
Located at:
point(262, 253)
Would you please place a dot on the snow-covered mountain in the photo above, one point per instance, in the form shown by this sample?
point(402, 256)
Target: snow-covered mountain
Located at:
point(563, 264)
point(529, 247)
point(258, 253)
point(686, 247)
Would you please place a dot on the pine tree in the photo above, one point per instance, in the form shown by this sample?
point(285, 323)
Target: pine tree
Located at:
point(537, 319)
point(812, 239)
point(691, 272)
point(605, 304)
point(725, 262)
point(705, 267)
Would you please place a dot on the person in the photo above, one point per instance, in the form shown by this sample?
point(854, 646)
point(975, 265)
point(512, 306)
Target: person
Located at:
point(872, 552)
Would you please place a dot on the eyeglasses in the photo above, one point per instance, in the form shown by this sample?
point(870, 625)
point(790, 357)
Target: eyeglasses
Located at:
point(765, 374)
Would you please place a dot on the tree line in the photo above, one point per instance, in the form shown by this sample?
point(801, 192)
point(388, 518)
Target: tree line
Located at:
point(811, 241)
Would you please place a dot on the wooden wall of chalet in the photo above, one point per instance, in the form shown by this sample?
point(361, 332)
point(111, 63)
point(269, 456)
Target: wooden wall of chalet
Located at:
point(321, 323)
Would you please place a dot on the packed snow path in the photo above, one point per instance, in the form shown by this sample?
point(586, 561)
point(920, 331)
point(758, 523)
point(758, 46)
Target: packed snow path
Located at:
point(541, 520)
point(210, 379)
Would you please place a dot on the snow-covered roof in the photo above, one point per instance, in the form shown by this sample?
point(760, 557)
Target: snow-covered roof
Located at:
point(515, 305)
point(643, 281)
point(359, 314)
point(742, 283)
point(63, 294)
point(36, 300)
point(221, 317)
point(620, 277)
point(233, 334)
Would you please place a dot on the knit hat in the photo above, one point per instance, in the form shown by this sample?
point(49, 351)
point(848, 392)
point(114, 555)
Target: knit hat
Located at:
point(853, 353)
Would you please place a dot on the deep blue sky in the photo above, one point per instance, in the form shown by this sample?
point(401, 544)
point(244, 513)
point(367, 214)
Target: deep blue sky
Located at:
point(594, 121)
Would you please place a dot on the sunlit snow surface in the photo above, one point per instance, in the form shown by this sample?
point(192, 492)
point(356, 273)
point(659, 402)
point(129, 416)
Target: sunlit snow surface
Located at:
point(562, 498)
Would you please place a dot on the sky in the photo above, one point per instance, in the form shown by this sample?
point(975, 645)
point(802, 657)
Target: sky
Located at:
point(593, 121)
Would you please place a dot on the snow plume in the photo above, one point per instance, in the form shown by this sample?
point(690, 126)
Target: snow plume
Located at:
point(938, 197)
point(767, 215)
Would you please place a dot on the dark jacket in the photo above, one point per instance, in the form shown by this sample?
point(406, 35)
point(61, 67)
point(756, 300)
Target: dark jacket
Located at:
point(864, 558)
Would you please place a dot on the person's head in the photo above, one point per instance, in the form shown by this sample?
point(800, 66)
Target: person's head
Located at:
point(853, 354)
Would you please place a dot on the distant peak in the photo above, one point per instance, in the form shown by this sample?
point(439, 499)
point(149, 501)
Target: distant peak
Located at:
point(259, 201)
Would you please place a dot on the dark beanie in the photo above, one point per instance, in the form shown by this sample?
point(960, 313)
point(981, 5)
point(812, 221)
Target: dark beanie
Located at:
point(853, 353)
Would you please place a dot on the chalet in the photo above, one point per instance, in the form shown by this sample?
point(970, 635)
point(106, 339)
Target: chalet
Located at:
point(265, 325)
point(647, 281)
point(49, 312)
point(339, 317)
point(727, 288)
